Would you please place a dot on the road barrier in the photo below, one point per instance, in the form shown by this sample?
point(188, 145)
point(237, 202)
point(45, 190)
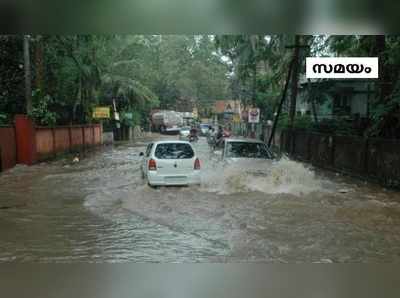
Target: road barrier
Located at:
point(372, 158)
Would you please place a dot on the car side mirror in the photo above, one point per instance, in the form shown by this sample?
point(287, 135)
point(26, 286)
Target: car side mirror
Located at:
point(141, 154)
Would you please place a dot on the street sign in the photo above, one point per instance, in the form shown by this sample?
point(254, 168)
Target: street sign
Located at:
point(254, 115)
point(101, 113)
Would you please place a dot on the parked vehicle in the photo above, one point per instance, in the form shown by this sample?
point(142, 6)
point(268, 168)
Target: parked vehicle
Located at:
point(170, 163)
point(242, 149)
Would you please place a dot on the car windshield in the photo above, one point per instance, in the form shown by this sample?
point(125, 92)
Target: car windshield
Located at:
point(185, 129)
point(174, 151)
point(247, 150)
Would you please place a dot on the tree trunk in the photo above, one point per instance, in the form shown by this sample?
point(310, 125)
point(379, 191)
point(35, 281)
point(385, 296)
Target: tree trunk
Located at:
point(295, 81)
point(27, 68)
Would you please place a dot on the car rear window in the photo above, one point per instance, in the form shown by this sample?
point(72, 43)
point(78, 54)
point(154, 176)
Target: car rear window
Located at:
point(148, 149)
point(174, 151)
point(247, 150)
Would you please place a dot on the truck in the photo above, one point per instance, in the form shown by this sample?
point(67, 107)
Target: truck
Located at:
point(166, 121)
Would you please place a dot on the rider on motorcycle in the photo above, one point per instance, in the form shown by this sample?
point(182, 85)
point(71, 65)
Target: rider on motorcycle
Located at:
point(220, 135)
point(193, 133)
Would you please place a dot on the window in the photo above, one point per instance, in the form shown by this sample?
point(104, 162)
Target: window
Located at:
point(148, 149)
point(174, 151)
point(247, 150)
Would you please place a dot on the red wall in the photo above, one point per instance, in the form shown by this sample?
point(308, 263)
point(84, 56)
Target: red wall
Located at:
point(76, 137)
point(8, 147)
point(44, 142)
point(50, 141)
point(25, 136)
point(26, 143)
point(61, 137)
point(88, 135)
point(97, 134)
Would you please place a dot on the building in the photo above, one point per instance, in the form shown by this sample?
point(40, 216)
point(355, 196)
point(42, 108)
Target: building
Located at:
point(336, 98)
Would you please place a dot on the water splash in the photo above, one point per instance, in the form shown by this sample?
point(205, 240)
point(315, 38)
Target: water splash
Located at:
point(272, 177)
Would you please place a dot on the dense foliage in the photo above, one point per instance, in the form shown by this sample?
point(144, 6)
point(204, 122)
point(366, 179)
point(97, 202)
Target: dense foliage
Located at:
point(73, 74)
point(259, 66)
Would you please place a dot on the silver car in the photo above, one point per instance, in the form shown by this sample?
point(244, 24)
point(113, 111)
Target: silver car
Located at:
point(242, 149)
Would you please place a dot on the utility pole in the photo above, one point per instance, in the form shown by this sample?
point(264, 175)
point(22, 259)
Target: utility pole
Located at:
point(27, 68)
point(278, 112)
point(253, 125)
point(295, 81)
point(294, 65)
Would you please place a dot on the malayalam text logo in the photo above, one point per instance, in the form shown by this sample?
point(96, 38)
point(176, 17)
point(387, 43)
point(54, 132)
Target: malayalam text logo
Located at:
point(342, 68)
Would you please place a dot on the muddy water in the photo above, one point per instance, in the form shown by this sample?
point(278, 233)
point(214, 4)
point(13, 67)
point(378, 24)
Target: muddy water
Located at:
point(101, 210)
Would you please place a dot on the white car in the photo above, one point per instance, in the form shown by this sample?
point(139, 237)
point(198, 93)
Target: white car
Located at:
point(170, 163)
point(184, 133)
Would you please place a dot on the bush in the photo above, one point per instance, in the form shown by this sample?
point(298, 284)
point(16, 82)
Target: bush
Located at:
point(335, 126)
point(3, 119)
point(135, 120)
point(300, 122)
point(40, 110)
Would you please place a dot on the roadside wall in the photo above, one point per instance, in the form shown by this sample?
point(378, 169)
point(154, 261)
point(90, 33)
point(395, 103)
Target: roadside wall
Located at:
point(377, 159)
point(51, 141)
point(275, 140)
point(25, 143)
point(8, 151)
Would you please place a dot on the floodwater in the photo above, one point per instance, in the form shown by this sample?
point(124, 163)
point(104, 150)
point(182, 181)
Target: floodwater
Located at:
point(100, 210)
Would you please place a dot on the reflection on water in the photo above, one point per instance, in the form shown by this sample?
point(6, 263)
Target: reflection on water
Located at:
point(101, 210)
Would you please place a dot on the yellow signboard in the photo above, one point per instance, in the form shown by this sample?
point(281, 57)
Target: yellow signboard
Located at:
point(236, 118)
point(101, 113)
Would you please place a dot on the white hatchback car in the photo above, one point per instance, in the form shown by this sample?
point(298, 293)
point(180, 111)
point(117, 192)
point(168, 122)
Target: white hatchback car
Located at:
point(170, 163)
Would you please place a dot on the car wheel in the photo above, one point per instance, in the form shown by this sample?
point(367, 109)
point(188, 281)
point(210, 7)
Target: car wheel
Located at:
point(152, 186)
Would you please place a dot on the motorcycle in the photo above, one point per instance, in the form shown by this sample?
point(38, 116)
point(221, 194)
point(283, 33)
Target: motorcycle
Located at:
point(193, 138)
point(216, 143)
point(211, 140)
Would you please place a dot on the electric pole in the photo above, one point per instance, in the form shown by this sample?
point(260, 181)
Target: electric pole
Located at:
point(295, 81)
point(293, 74)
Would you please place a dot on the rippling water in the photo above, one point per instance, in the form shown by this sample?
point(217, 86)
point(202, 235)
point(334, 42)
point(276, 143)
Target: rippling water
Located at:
point(100, 210)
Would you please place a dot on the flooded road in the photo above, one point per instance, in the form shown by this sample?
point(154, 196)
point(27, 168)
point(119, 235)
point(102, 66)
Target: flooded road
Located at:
point(100, 210)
